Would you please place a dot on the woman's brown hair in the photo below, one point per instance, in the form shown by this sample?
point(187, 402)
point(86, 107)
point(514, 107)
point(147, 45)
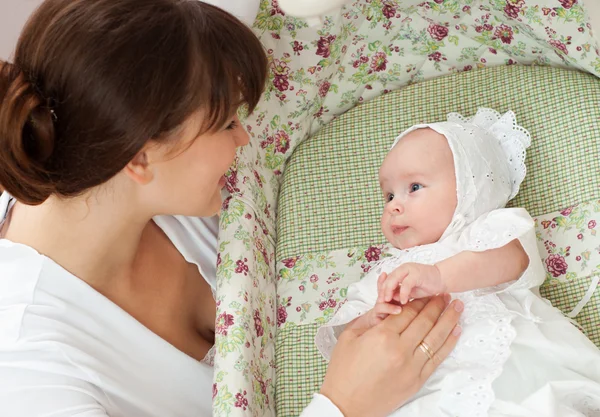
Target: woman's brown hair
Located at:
point(94, 80)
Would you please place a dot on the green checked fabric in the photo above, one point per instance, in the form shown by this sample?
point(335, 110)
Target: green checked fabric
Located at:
point(330, 198)
point(304, 369)
point(566, 296)
point(329, 206)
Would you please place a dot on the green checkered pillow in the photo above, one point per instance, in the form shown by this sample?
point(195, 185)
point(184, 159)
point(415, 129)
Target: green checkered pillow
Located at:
point(330, 197)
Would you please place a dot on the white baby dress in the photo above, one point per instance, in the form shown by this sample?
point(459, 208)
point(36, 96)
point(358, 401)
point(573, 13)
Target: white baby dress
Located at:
point(517, 355)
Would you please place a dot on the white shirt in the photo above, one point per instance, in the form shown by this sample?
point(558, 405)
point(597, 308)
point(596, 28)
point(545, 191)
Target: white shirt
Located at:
point(67, 350)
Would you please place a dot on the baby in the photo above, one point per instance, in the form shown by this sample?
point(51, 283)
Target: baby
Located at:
point(445, 186)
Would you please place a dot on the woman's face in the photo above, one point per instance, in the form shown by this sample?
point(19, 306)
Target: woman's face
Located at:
point(187, 178)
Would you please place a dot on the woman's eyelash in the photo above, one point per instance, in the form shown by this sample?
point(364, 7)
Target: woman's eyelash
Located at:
point(232, 125)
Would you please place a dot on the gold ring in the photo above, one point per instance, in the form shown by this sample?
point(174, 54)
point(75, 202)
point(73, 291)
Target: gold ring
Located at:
point(426, 349)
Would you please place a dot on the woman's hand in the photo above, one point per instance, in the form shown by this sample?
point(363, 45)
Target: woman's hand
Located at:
point(374, 370)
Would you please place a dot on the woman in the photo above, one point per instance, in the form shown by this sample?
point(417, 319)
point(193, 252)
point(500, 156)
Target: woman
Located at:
point(113, 111)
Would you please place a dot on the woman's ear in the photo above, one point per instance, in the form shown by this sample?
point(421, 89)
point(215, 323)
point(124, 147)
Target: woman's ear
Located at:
point(138, 169)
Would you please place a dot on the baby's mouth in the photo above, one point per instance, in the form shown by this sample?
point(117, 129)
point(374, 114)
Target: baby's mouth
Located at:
point(397, 230)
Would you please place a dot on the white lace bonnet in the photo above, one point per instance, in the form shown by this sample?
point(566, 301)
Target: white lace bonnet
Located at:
point(489, 161)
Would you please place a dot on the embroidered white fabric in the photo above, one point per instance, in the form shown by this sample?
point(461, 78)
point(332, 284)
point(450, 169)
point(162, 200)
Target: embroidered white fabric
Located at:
point(209, 359)
point(514, 139)
point(465, 378)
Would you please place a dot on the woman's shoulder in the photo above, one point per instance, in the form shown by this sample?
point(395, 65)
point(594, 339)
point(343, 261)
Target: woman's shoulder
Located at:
point(35, 293)
point(20, 270)
point(43, 304)
point(33, 337)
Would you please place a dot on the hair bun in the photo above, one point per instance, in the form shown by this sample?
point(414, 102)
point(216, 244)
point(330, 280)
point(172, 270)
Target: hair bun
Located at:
point(27, 134)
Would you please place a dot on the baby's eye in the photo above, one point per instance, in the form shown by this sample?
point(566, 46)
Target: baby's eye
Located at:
point(415, 187)
point(389, 197)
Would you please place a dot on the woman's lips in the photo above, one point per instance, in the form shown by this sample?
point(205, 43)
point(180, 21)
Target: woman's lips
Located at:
point(397, 230)
point(222, 181)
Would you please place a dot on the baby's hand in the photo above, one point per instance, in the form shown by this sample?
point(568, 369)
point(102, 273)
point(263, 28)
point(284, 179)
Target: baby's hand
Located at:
point(415, 281)
point(378, 313)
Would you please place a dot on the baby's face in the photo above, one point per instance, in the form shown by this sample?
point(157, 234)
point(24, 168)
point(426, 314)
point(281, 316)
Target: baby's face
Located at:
point(419, 187)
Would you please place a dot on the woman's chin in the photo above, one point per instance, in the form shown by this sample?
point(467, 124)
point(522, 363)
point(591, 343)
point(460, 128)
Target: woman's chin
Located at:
point(208, 209)
point(212, 207)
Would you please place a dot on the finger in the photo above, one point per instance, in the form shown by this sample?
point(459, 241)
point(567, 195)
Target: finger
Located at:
point(398, 323)
point(365, 321)
point(358, 326)
point(441, 354)
point(390, 286)
point(438, 336)
point(380, 282)
point(419, 292)
point(425, 321)
point(387, 309)
point(407, 286)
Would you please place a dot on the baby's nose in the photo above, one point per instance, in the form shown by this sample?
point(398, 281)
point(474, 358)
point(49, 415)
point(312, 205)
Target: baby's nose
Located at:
point(396, 206)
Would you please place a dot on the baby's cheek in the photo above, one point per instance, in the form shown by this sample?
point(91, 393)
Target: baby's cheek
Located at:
point(383, 221)
point(389, 236)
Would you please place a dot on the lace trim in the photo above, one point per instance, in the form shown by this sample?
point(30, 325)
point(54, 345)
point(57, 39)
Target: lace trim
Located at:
point(514, 139)
point(478, 358)
point(209, 359)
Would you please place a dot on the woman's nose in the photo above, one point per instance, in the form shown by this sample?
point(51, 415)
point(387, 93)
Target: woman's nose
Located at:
point(243, 138)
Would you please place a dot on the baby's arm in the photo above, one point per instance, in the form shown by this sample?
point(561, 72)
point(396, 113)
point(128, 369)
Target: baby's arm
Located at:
point(467, 270)
point(462, 272)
